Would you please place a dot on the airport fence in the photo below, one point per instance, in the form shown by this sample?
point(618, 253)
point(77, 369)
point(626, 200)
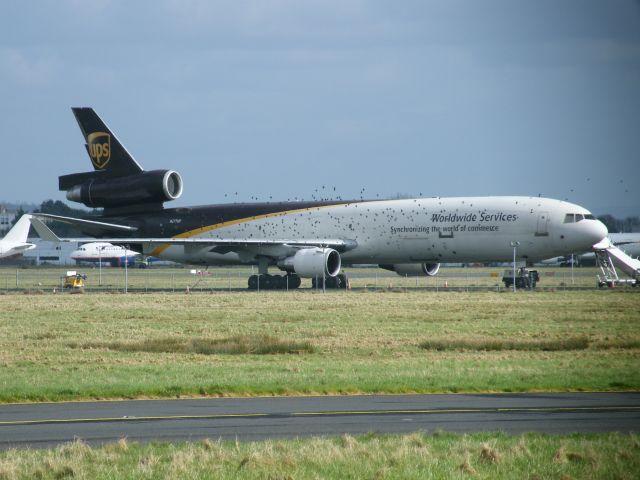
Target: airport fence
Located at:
point(181, 280)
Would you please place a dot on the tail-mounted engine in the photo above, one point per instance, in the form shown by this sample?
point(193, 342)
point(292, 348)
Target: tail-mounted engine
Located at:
point(145, 188)
point(413, 269)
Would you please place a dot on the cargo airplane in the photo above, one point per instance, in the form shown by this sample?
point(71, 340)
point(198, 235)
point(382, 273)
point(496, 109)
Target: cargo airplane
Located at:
point(308, 239)
point(15, 241)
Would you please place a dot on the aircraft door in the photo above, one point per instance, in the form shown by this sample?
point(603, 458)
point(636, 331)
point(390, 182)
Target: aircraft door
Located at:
point(542, 228)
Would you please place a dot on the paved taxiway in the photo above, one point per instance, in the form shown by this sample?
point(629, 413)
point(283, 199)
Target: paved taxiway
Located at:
point(47, 424)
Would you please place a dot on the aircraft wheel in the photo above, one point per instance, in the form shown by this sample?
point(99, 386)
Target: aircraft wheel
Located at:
point(279, 282)
point(294, 281)
point(267, 282)
point(253, 282)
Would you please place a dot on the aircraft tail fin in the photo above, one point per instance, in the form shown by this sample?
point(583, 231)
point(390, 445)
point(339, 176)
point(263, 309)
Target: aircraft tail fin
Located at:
point(20, 230)
point(106, 152)
point(117, 183)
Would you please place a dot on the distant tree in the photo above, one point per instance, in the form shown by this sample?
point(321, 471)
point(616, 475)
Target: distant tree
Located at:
point(610, 222)
point(56, 207)
point(615, 225)
point(631, 224)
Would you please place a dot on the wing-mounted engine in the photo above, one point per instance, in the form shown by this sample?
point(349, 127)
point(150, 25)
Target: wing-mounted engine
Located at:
point(313, 262)
point(413, 269)
point(97, 191)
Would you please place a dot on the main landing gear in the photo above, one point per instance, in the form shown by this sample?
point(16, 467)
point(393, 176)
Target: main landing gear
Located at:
point(274, 282)
point(340, 281)
point(292, 281)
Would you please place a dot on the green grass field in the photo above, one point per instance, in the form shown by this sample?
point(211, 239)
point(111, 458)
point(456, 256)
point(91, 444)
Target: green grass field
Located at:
point(393, 338)
point(415, 456)
point(60, 347)
point(107, 279)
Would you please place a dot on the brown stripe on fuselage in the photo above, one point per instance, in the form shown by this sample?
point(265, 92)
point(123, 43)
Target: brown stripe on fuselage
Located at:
point(208, 228)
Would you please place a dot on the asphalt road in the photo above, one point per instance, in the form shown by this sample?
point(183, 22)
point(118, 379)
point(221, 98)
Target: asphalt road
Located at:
point(47, 424)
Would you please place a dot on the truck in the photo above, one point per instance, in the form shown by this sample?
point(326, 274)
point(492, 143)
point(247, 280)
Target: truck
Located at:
point(73, 281)
point(525, 278)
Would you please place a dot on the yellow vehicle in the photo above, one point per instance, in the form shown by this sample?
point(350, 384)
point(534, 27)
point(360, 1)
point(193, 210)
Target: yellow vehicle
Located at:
point(74, 281)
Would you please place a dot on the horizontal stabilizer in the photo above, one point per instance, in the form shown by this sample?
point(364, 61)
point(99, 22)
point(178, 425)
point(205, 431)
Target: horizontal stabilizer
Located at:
point(91, 226)
point(23, 247)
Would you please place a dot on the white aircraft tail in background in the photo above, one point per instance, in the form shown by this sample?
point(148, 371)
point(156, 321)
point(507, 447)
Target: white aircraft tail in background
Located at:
point(15, 241)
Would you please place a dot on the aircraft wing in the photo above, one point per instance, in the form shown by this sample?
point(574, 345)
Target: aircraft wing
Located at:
point(628, 242)
point(220, 245)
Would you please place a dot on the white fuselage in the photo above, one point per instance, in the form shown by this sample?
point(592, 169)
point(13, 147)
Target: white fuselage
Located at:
point(96, 252)
point(463, 229)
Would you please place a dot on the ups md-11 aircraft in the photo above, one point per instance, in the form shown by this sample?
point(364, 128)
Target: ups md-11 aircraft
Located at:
point(310, 239)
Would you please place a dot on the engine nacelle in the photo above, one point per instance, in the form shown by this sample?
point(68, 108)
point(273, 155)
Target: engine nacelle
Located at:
point(314, 262)
point(413, 269)
point(155, 186)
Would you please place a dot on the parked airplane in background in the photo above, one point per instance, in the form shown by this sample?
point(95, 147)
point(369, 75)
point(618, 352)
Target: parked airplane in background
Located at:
point(629, 243)
point(310, 239)
point(15, 241)
point(105, 253)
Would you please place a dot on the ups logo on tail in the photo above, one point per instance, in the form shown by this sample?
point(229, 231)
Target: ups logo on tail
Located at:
point(99, 144)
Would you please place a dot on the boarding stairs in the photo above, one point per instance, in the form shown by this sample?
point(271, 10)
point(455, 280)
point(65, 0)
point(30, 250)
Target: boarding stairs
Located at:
point(609, 257)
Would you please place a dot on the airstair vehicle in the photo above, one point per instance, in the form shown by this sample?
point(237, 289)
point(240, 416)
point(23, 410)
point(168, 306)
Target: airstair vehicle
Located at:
point(609, 257)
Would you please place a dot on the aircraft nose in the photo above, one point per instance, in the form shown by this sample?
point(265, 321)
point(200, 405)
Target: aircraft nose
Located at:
point(596, 231)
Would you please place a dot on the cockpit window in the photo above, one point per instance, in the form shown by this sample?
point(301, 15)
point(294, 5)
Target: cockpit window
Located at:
point(577, 217)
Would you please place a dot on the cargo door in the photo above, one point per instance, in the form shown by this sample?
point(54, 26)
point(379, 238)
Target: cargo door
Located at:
point(542, 228)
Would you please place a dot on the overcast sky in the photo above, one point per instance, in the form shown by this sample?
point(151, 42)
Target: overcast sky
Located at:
point(278, 98)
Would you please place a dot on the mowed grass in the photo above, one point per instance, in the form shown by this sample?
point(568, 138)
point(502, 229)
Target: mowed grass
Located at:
point(495, 456)
point(61, 347)
point(47, 279)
